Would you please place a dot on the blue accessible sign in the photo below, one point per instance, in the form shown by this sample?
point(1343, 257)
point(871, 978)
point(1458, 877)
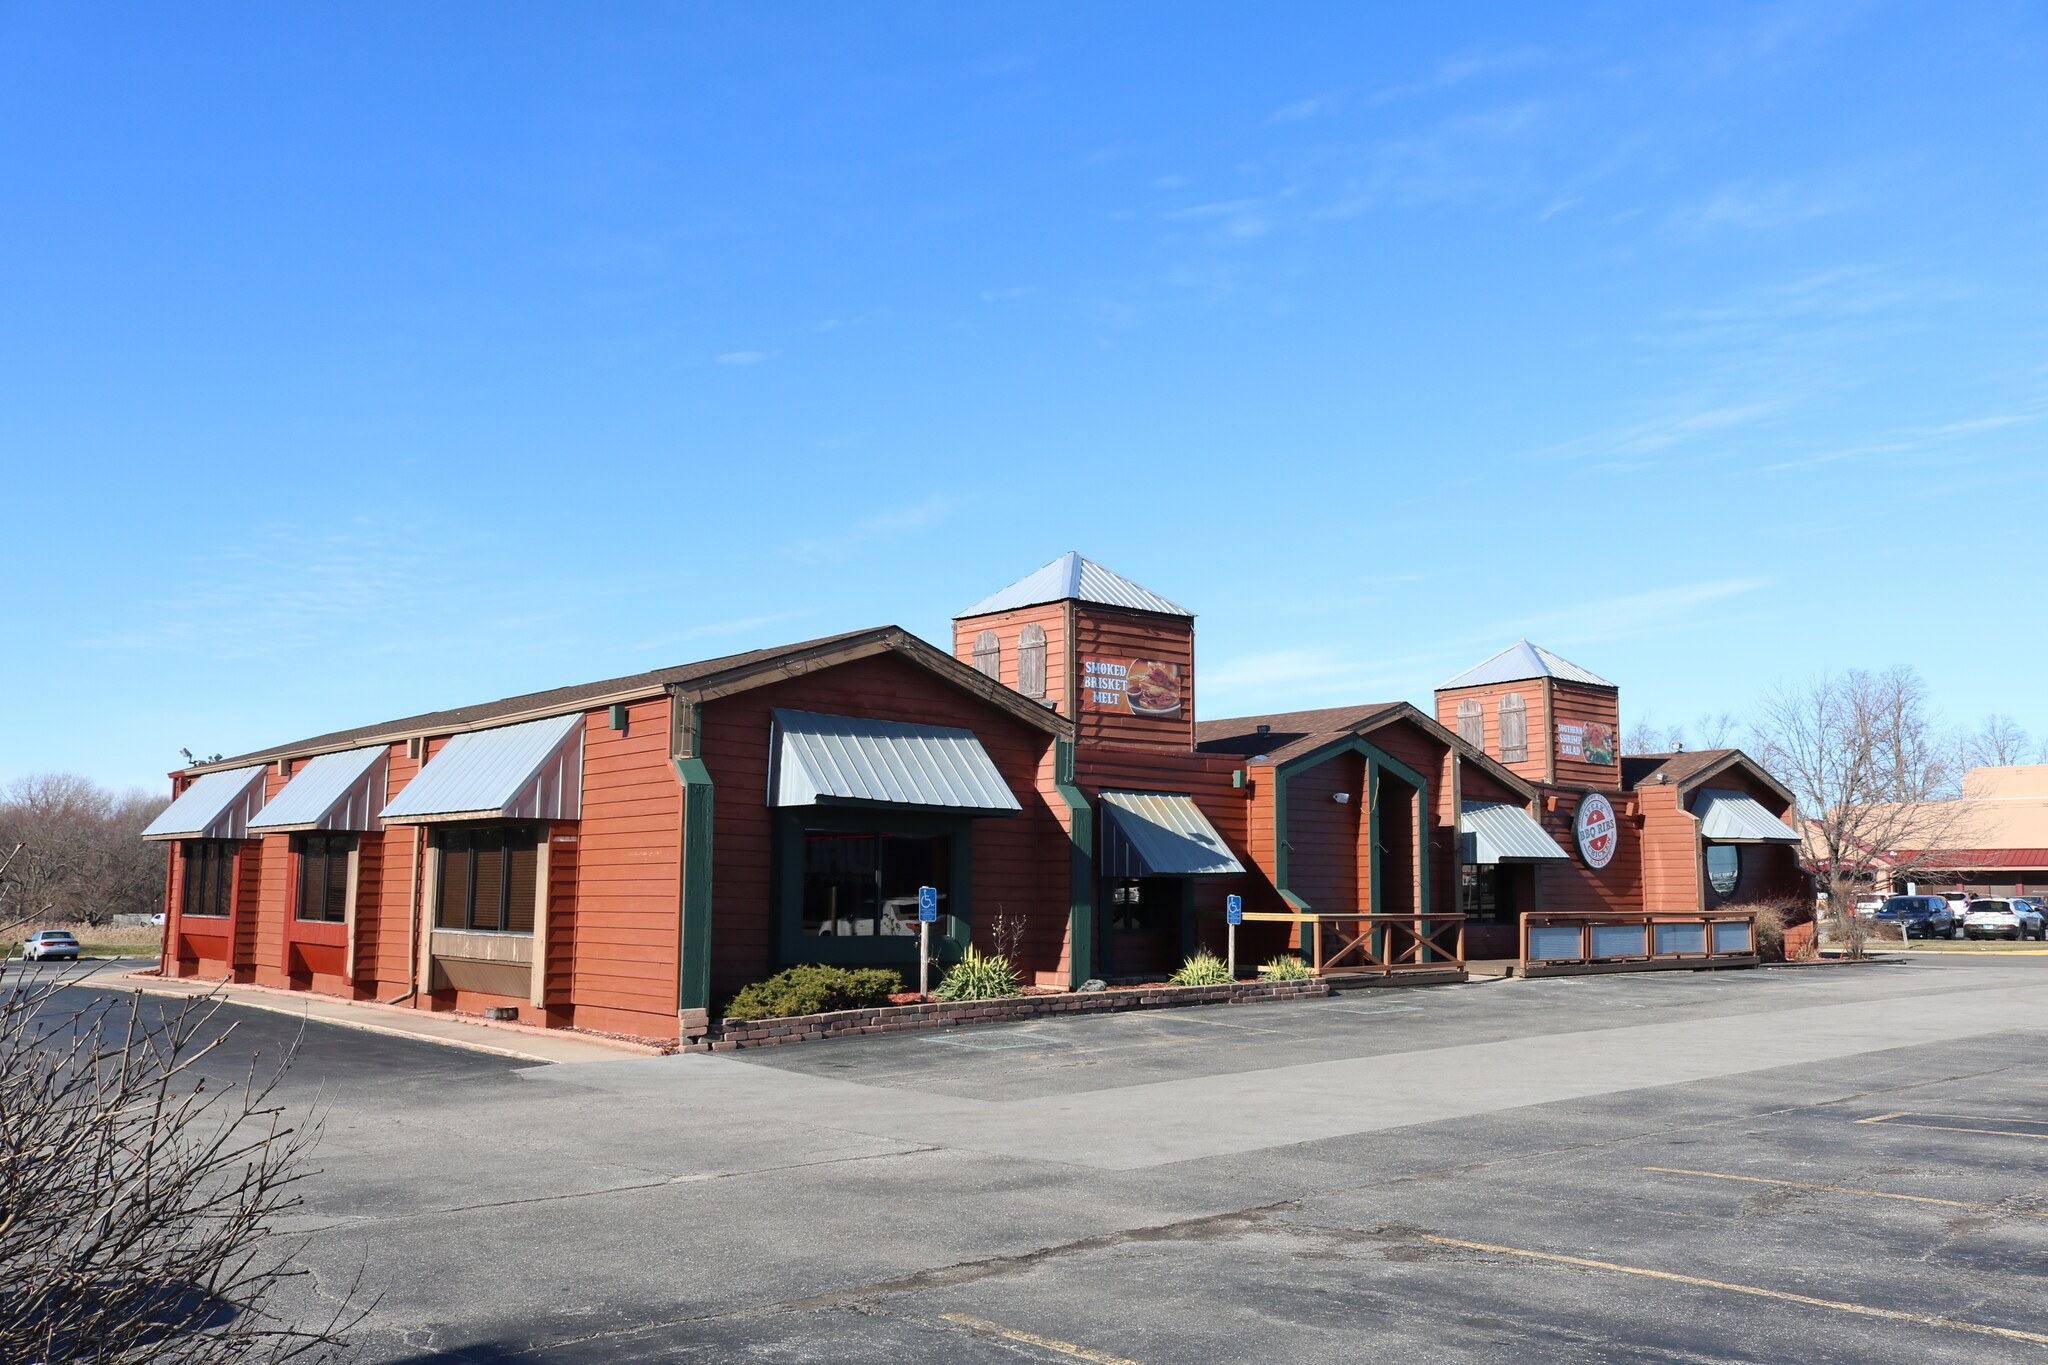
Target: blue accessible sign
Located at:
point(1233, 909)
point(928, 904)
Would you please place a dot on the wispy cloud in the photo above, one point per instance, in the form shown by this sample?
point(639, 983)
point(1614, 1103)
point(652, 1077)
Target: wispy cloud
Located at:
point(1748, 204)
point(873, 529)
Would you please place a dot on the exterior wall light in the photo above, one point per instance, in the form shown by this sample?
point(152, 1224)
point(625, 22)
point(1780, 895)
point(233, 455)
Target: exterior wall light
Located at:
point(1340, 797)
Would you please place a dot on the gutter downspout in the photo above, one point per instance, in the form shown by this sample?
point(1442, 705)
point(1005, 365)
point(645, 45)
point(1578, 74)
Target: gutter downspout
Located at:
point(1080, 866)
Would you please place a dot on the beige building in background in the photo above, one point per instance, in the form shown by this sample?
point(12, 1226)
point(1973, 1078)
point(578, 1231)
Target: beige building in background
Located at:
point(1998, 837)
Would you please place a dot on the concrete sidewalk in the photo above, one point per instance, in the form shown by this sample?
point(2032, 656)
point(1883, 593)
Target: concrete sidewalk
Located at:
point(534, 1045)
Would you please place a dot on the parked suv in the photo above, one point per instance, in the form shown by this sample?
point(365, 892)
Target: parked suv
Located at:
point(50, 945)
point(1919, 916)
point(2003, 918)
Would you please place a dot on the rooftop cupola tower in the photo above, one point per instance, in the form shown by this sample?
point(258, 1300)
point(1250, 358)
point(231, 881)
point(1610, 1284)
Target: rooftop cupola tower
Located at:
point(1541, 715)
point(1091, 644)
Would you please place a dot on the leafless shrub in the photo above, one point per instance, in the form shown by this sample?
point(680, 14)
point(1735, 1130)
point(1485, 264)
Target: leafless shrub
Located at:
point(138, 1198)
point(1005, 935)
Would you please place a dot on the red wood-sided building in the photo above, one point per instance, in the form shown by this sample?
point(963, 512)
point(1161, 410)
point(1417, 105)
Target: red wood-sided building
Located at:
point(620, 855)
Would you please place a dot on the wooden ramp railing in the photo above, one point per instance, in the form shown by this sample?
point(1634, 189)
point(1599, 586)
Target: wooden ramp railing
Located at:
point(1378, 945)
point(1575, 944)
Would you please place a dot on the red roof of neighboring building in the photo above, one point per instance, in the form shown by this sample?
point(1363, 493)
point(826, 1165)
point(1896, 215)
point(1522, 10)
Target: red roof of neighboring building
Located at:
point(1972, 859)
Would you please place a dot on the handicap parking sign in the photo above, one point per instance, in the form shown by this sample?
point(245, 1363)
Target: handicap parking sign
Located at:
point(928, 904)
point(1233, 909)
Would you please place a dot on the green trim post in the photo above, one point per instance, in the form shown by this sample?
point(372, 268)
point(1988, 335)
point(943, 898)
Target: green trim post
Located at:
point(1080, 866)
point(693, 964)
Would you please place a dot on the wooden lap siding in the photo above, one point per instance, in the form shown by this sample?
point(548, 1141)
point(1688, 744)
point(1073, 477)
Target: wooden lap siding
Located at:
point(625, 870)
point(1429, 756)
point(1020, 862)
point(1327, 862)
point(1008, 626)
point(1579, 705)
point(1669, 837)
point(1574, 888)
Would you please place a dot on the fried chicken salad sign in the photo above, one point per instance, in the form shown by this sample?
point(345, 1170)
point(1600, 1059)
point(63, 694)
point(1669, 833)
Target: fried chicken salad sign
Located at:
point(1596, 830)
point(1136, 687)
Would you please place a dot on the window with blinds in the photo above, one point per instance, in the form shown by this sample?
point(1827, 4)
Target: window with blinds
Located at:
point(487, 878)
point(988, 655)
point(209, 881)
point(1472, 723)
point(1514, 729)
point(1031, 661)
point(323, 876)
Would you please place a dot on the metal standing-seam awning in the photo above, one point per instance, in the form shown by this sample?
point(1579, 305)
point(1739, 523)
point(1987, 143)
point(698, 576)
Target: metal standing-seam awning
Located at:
point(1161, 834)
point(822, 760)
point(334, 792)
point(1501, 832)
point(1733, 817)
point(216, 806)
point(532, 771)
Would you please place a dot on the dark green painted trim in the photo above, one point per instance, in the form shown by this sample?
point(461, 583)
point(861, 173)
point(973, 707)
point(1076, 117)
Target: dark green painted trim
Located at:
point(790, 946)
point(1080, 866)
point(1376, 761)
point(693, 955)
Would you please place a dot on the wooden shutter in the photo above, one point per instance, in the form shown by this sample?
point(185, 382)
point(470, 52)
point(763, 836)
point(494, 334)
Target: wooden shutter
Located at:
point(988, 655)
point(1031, 661)
point(1514, 729)
point(521, 861)
point(1472, 723)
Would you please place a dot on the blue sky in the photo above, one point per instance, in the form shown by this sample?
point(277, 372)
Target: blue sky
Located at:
point(362, 360)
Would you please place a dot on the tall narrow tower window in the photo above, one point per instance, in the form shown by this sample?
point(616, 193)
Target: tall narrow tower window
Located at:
point(1030, 660)
point(1514, 729)
point(1472, 723)
point(988, 655)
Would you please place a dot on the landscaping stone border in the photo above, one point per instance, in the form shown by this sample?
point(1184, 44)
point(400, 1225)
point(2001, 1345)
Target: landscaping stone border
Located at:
point(811, 1028)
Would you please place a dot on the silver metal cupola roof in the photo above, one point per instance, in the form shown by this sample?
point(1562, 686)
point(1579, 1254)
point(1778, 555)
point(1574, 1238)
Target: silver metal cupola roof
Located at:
point(1522, 660)
point(1072, 575)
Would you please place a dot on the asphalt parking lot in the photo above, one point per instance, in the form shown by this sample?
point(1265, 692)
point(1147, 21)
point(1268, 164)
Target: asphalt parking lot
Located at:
point(1835, 1164)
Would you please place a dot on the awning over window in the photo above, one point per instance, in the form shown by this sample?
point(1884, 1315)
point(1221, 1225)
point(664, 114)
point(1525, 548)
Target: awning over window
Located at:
point(1161, 834)
point(216, 806)
point(1501, 832)
point(333, 791)
point(514, 772)
point(820, 760)
point(1732, 817)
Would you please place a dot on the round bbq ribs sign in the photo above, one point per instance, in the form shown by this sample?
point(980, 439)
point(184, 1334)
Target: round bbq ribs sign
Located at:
point(1596, 829)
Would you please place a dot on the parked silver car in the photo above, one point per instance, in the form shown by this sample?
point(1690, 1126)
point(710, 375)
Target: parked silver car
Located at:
point(2003, 918)
point(50, 945)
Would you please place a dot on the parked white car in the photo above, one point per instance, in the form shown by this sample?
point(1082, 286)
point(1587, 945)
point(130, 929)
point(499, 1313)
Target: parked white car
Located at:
point(50, 945)
point(2002, 918)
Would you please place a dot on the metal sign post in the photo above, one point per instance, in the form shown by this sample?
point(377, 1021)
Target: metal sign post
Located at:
point(927, 915)
point(1233, 911)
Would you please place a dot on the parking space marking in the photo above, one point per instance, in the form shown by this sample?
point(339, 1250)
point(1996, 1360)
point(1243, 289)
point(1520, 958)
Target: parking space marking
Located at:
point(1384, 1009)
point(1893, 1314)
point(1895, 1121)
point(1842, 1189)
point(1065, 1348)
point(995, 1040)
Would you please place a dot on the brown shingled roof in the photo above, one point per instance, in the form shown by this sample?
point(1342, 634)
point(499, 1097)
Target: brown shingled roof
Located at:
point(1288, 732)
point(1681, 769)
point(532, 703)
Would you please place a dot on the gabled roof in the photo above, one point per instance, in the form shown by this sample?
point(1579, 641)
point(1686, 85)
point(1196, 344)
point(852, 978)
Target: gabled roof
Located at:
point(1689, 769)
point(1082, 579)
point(710, 677)
point(1291, 734)
point(1522, 660)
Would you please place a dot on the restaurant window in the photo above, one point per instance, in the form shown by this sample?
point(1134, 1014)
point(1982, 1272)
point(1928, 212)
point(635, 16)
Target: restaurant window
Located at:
point(1031, 661)
point(323, 876)
point(1144, 906)
point(1724, 868)
point(487, 878)
point(209, 876)
point(1487, 893)
point(1514, 729)
point(1472, 723)
point(988, 655)
point(862, 885)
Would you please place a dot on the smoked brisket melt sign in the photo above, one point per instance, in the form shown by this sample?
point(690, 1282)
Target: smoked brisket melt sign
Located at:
point(1136, 687)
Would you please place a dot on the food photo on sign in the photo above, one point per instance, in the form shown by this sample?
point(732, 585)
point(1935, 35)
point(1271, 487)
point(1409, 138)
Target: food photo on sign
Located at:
point(1137, 687)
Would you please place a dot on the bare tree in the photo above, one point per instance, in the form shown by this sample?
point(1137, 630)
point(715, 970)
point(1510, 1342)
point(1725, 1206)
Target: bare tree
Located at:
point(1874, 779)
point(1998, 743)
point(136, 1199)
point(80, 854)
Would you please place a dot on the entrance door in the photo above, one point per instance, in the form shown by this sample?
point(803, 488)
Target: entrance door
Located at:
point(1145, 924)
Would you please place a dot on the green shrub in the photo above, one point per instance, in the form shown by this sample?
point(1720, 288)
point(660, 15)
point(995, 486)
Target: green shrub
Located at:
point(978, 977)
point(1285, 968)
point(1203, 968)
point(815, 989)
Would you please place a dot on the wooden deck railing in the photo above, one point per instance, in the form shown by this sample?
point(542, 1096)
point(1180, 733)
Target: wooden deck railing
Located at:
point(1559, 944)
point(1378, 945)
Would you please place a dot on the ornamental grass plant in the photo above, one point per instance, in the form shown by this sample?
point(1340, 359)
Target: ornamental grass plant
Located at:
point(979, 976)
point(1284, 968)
point(1202, 968)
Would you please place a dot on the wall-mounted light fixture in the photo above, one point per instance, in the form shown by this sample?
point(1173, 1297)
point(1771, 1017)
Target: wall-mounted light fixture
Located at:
point(1340, 797)
point(620, 717)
